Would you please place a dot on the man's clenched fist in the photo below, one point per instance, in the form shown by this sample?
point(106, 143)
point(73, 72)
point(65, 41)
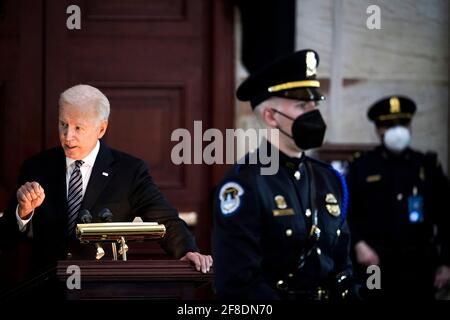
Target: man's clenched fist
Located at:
point(30, 196)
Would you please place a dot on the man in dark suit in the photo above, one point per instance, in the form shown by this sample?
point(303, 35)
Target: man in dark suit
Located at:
point(86, 174)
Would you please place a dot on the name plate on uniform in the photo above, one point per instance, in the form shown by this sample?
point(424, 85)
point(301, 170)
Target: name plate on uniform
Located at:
point(373, 178)
point(283, 212)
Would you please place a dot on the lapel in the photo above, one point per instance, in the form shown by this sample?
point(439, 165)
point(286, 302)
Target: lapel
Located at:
point(98, 181)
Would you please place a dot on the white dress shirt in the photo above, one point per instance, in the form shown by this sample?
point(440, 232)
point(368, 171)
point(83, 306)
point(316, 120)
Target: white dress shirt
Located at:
point(86, 170)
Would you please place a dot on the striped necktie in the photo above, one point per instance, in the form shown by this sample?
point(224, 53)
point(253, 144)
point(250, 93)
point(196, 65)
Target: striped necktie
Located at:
point(74, 197)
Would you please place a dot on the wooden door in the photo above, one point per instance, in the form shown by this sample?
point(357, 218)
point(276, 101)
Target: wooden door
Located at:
point(152, 59)
point(21, 88)
point(162, 64)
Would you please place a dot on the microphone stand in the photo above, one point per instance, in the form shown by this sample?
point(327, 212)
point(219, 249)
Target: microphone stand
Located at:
point(123, 248)
point(114, 251)
point(86, 217)
point(100, 252)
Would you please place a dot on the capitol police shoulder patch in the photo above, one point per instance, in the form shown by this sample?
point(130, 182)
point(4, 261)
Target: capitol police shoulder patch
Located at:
point(229, 197)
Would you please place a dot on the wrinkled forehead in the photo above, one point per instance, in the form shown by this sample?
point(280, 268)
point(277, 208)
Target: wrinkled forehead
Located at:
point(82, 112)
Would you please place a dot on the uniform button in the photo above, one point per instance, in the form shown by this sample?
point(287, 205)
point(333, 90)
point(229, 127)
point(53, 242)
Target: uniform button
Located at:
point(308, 213)
point(288, 232)
point(338, 232)
point(319, 252)
point(344, 294)
point(399, 197)
point(290, 275)
point(281, 284)
point(297, 175)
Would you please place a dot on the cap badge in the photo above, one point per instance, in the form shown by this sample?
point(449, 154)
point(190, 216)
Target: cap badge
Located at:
point(311, 63)
point(395, 105)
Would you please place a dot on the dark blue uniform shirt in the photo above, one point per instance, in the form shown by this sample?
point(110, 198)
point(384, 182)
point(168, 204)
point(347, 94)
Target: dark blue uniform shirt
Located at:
point(398, 206)
point(282, 234)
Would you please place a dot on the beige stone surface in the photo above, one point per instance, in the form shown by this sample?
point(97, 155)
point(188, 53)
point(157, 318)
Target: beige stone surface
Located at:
point(429, 126)
point(412, 43)
point(314, 30)
point(408, 55)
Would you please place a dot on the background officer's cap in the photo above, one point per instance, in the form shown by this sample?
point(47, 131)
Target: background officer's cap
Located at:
point(393, 110)
point(292, 76)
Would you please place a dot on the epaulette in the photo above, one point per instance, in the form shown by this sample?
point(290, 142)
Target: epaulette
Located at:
point(322, 163)
point(241, 163)
point(237, 168)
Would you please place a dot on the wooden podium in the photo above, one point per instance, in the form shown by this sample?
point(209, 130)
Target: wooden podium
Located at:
point(134, 279)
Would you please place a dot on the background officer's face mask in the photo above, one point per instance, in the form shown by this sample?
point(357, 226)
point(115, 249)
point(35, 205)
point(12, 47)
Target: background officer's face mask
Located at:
point(397, 138)
point(308, 129)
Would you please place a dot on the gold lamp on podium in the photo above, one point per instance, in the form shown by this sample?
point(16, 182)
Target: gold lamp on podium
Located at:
point(117, 232)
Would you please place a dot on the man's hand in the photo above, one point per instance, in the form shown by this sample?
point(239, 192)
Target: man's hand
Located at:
point(365, 255)
point(29, 196)
point(442, 277)
point(201, 262)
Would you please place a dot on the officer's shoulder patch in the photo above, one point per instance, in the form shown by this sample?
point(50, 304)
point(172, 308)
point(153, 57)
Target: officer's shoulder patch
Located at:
point(229, 196)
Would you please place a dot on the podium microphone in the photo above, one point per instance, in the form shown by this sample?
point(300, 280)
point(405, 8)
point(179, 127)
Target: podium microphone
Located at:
point(84, 216)
point(105, 215)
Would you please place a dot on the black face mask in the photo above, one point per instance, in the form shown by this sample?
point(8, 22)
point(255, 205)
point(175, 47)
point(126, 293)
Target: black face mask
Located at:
point(308, 129)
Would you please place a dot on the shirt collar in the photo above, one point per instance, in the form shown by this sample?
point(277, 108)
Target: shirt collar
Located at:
point(89, 159)
point(288, 161)
point(291, 162)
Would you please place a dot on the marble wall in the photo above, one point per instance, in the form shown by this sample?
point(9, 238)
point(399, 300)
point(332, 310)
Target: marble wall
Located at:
point(408, 55)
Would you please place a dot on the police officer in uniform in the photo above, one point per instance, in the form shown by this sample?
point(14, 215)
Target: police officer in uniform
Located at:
point(283, 236)
point(398, 213)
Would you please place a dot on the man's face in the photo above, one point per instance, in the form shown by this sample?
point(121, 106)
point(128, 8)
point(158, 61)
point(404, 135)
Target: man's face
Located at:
point(381, 130)
point(79, 129)
point(293, 109)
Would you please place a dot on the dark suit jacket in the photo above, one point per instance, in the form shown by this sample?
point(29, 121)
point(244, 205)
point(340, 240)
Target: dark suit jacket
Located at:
point(127, 190)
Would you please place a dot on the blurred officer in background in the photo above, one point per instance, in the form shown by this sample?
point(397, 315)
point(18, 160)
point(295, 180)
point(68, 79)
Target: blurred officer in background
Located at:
point(283, 236)
point(398, 213)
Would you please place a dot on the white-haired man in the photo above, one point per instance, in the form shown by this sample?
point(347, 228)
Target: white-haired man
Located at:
point(84, 173)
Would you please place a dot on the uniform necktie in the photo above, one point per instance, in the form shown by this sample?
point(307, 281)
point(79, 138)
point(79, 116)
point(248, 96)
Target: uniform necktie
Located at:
point(74, 197)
